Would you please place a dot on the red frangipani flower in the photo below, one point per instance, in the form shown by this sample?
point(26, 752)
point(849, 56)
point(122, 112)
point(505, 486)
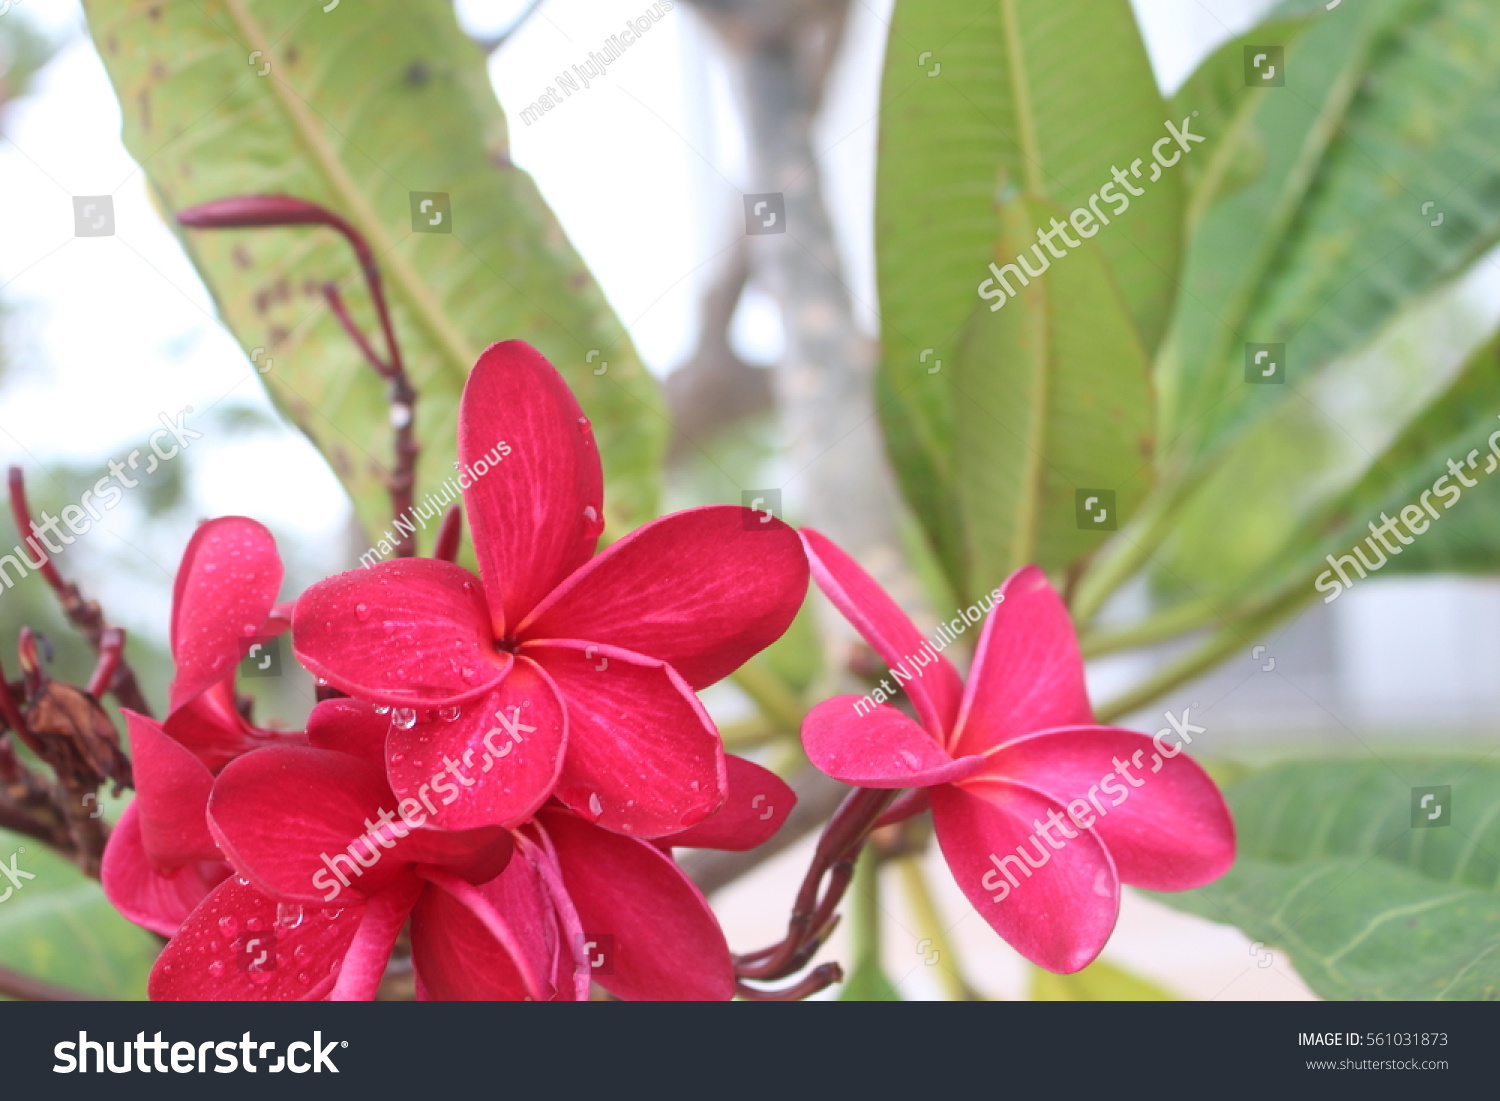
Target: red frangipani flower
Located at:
point(560, 671)
point(1040, 812)
point(161, 859)
point(331, 864)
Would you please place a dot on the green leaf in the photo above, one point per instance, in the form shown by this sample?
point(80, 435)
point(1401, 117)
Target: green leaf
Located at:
point(359, 108)
point(1370, 432)
point(61, 929)
point(1332, 871)
point(1041, 98)
point(1051, 396)
point(1098, 982)
point(1393, 106)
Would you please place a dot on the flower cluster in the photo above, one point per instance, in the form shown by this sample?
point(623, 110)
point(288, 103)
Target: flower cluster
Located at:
point(510, 761)
point(501, 764)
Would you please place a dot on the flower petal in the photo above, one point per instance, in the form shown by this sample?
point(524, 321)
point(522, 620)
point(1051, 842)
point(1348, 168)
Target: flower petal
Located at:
point(496, 942)
point(754, 809)
point(155, 900)
point(492, 761)
point(665, 943)
point(697, 589)
point(1028, 671)
point(225, 589)
point(643, 756)
point(878, 749)
point(296, 821)
point(369, 952)
point(349, 726)
point(211, 728)
point(935, 689)
point(407, 631)
point(537, 513)
point(171, 802)
point(1161, 817)
point(1058, 915)
point(240, 945)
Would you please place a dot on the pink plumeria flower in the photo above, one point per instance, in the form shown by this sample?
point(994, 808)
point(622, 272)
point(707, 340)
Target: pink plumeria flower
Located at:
point(556, 670)
point(1040, 812)
point(160, 860)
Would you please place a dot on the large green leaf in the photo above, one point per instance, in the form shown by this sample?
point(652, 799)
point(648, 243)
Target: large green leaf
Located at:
point(1050, 396)
point(1369, 433)
point(358, 108)
point(60, 928)
point(1040, 99)
point(1387, 120)
point(1332, 871)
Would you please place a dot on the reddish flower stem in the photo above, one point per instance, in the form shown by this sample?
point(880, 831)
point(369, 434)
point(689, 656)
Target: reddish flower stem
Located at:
point(450, 531)
point(813, 911)
point(819, 978)
point(263, 211)
point(85, 615)
point(111, 653)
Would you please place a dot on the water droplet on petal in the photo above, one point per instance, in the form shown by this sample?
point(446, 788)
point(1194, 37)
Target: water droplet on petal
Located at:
point(469, 675)
point(913, 762)
point(1101, 884)
point(300, 952)
point(596, 807)
point(260, 978)
point(253, 924)
point(304, 978)
point(242, 881)
point(404, 718)
point(383, 709)
point(449, 714)
point(288, 915)
point(216, 969)
point(248, 629)
point(590, 513)
point(362, 611)
point(229, 926)
point(209, 567)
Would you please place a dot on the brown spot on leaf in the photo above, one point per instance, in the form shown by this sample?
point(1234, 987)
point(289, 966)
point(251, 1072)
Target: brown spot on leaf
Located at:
point(241, 257)
point(418, 74)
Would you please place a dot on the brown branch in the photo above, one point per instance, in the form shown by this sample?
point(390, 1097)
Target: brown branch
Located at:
point(715, 388)
point(86, 617)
